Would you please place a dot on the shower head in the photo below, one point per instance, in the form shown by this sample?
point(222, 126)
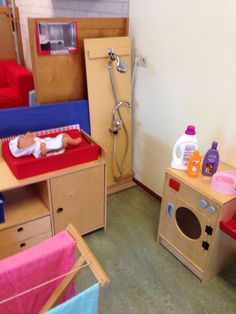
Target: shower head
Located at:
point(120, 65)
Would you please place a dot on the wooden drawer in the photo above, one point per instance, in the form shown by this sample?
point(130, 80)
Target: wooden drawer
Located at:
point(25, 231)
point(13, 248)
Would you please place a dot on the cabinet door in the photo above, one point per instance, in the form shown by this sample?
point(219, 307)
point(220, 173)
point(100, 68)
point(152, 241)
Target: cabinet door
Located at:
point(79, 199)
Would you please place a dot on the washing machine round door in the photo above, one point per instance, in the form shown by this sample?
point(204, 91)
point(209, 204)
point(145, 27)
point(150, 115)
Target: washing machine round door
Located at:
point(188, 223)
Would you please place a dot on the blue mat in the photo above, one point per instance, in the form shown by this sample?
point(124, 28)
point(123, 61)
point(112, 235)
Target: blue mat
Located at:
point(20, 120)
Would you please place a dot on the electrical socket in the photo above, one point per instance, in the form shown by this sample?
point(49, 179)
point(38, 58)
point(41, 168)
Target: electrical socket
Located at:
point(141, 61)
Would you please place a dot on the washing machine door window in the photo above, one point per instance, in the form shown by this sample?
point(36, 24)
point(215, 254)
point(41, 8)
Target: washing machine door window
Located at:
point(188, 223)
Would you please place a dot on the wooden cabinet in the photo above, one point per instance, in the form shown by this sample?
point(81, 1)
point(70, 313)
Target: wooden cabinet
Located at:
point(189, 225)
point(27, 219)
point(38, 207)
point(79, 199)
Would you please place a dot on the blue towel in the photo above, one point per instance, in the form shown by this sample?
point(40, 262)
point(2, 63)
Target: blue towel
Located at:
point(86, 302)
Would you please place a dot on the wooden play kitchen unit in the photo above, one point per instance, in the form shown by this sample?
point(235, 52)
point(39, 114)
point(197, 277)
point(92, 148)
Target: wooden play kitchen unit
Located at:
point(38, 207)
point(189, 226)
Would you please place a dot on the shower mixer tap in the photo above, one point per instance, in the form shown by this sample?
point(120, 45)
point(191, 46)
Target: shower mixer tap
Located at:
point(121, 103)
point(117, 123)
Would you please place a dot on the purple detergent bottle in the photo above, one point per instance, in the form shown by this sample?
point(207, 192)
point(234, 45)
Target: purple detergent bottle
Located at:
point(211, 161)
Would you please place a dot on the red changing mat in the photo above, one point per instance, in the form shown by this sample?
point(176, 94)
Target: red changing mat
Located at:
point(28, 166)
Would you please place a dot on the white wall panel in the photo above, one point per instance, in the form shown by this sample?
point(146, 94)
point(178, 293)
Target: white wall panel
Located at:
point(190, 79)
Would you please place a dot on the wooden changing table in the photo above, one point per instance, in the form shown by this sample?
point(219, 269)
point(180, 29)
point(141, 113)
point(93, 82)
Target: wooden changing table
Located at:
point(40, 206)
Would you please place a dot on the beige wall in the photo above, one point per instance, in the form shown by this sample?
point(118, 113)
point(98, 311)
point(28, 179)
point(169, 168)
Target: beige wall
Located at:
point(190, 79)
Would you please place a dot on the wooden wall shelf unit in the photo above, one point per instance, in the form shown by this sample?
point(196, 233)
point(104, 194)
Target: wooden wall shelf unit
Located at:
point(38, 207)
point(48, 70)
point(189, 225)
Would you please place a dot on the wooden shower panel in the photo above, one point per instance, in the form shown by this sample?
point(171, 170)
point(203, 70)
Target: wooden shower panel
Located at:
point(102, 102)
point(63, 77)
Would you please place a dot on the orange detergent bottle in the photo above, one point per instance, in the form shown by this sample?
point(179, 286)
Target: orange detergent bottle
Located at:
point(194, 164)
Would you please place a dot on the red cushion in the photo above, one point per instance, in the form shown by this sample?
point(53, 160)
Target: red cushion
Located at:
point(3, 82)
point(8, 97)
point(19, 79)
point(28, 166)
point(229, 227)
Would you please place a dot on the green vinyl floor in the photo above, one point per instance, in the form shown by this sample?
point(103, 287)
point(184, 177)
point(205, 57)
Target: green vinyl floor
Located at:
point(145, 277)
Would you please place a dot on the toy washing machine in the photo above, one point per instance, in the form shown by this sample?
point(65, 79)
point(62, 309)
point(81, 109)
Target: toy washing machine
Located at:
point(189, 223)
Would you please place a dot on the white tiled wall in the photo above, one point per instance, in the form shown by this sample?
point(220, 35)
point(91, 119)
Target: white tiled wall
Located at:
point(66, 8)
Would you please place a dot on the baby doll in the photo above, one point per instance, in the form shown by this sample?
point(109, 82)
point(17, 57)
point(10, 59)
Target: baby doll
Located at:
point(28, 144)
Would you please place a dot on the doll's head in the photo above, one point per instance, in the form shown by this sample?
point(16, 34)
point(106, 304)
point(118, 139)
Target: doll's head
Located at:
point(25, 141)
point(22, 145)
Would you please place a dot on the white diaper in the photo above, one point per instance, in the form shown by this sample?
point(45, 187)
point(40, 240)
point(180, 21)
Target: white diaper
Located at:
point(54, 143)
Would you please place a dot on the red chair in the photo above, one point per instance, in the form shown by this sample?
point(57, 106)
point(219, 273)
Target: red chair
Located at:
point(15, 83)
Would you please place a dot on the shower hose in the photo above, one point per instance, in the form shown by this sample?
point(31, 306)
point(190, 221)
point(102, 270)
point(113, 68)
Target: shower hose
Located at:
point(115, 130)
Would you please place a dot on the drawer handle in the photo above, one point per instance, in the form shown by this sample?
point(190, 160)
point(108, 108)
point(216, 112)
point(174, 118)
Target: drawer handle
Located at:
point(20, 229)
point(60, 210)
point(22, 244)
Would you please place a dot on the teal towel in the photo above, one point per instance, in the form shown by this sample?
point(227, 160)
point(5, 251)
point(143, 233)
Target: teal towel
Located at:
point(86, 302)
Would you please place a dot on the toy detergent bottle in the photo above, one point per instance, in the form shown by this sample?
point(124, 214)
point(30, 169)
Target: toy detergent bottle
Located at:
point(184, 148)
point(210, 161)
point(194, 164)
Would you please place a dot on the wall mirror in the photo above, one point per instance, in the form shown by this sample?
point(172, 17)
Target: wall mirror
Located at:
point(56, 37)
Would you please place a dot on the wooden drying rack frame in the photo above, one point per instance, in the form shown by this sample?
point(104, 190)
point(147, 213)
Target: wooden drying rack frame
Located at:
point(86, 258)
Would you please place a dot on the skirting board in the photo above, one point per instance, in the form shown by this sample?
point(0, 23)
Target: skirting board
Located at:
point(148, 190)
point(120, 187)
point(131, 183)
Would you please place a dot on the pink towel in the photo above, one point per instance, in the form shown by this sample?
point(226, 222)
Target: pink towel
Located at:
point(32, 267)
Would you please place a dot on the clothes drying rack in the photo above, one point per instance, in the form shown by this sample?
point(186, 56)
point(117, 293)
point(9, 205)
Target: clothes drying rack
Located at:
point(86, 259)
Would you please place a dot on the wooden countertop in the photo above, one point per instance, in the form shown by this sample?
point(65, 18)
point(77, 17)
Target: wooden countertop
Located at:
point(9, 181)
point(202, 183)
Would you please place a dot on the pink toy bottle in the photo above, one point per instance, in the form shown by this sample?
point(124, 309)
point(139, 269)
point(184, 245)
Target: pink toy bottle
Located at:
point(211, 161)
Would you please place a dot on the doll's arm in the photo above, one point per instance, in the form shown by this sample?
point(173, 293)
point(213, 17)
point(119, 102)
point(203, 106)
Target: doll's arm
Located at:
point(43, 149)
